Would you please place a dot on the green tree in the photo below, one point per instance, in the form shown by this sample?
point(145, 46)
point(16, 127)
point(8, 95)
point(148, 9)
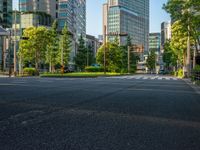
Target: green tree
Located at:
point(169, 57)
point(133, 57)
point(186, 12)
point(90, 56)
point(81, 57)
point(35, 46)
point(179, 42)
point(65, 46)
point(151, 60)
point(113, 56)
point(53, 47)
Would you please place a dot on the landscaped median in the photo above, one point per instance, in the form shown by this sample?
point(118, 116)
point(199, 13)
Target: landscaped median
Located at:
point(80, 75)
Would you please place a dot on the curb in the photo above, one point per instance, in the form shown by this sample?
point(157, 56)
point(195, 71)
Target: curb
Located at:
point(192, 85)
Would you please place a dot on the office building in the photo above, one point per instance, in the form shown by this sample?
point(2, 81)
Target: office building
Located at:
point(127, 16)
point(47, 6)
point(154, 42)
point(92, 43)
point(73, 13)
point(166, 33)
point(6, 13)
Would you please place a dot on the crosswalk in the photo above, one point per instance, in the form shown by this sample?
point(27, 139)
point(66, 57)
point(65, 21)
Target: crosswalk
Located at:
point(145, 77)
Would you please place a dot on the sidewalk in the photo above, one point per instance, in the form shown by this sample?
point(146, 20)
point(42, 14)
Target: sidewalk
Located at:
point(192, 85)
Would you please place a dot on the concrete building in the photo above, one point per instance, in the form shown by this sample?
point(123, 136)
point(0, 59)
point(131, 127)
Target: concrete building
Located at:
point(5, 22)
point(166, 33)
point(92, 43)
point(6, 13)
point(30, 19)
point(128, 16)
point(155, 45)
point(48, 6)
point(3, 48)
point(155, 42)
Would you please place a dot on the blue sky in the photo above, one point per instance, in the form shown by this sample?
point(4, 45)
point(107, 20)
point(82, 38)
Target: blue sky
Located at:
point(94, 15)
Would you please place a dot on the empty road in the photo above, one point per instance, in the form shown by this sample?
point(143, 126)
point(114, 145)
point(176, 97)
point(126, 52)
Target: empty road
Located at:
point(140, 112)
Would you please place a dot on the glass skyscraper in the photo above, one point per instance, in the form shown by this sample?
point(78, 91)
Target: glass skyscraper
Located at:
point(6, 13)
point(128, 16)
point(73, 13)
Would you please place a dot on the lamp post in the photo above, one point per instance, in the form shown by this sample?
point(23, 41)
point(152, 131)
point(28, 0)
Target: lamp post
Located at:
point(15, 44)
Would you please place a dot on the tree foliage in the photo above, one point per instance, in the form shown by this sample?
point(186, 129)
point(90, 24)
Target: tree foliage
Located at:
point(117, 56)
point(81, 57)
point(41, 45)
point(33, 49)
point(65, 46)
point(52, 47)
point(184, 14)
point(151, 60)
point(169, 56)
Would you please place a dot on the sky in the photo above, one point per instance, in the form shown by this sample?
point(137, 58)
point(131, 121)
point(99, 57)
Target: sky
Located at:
point(94, 15)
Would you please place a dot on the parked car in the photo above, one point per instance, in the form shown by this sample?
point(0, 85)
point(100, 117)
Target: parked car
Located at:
point(68, 69)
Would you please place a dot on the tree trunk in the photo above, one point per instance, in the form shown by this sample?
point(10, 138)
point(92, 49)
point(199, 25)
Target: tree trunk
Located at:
point(50, 67)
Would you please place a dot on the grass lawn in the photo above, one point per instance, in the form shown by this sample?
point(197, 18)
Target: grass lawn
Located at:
point(80, 74)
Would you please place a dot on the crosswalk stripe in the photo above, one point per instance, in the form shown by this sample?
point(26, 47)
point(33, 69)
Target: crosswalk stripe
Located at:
point(144, 78)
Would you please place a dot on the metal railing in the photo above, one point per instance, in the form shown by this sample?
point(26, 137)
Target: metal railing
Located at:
point(196, 76)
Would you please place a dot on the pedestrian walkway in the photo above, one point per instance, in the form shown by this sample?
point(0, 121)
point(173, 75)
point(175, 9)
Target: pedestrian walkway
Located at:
point(144, 77)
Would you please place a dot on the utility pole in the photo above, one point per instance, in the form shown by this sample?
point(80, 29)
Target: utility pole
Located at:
point(15, 42)
point(128, 59)
point(104, 50)
point(87, 57)
point(62, 62)
point(188, 61)
point(9, 54)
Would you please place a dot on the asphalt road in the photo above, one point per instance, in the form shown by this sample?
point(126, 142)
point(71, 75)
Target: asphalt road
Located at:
point(129, 113)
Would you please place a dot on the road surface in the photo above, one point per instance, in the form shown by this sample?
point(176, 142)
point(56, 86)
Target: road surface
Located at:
point(139, 112)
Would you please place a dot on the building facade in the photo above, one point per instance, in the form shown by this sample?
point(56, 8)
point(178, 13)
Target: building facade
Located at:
point(92, 43)
point(154, 42)
point(48, 6)
point(127, 16)
point(73, 13)
point(6, 13)
point(166, 33)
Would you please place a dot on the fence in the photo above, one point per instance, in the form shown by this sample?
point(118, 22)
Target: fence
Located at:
point(196, 76)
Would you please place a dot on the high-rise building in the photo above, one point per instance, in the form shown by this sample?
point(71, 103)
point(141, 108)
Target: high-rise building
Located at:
point(154, 42)
point(6, 13)
point(92, 43)
point(128, 16)
point(48, 6)
point(73, 13)
point(165, 33)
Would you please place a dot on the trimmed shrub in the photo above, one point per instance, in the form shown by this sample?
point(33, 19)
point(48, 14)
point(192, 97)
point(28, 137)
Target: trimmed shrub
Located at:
point(180, 73)
point(93, 69)
point(197, 68)
point(30, 71)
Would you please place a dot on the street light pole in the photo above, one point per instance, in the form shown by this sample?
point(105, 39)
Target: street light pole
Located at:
point(188, 61)
point(129, 59)
point(104, 50)
point(15, 51)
